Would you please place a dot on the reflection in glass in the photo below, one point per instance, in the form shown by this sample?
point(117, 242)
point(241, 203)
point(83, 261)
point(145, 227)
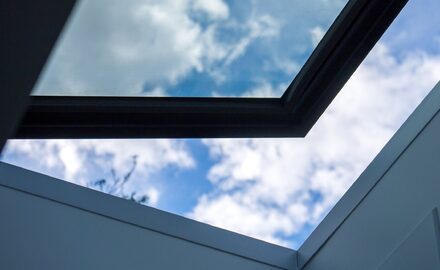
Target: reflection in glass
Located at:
point(185, 48)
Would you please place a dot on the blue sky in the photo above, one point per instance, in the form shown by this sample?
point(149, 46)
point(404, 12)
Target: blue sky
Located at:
point(277, 190)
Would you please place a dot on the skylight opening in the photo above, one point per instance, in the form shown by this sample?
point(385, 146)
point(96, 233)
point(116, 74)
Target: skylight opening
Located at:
point(191, 48)
point(277, 190)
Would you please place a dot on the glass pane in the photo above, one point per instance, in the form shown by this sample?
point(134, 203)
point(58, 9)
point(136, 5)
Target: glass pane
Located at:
point(185, 47)
point(259, 187)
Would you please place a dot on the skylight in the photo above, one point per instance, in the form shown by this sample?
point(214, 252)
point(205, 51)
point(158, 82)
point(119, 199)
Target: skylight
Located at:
point(186, 48)
point(273, 189)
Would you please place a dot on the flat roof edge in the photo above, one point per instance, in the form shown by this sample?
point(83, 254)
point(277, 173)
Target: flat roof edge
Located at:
point(146, 217)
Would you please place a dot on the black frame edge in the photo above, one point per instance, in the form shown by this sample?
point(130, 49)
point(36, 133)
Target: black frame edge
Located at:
point(343, 48)
point(349, 40)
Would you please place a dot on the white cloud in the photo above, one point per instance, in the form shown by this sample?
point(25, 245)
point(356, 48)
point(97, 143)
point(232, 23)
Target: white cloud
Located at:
point(216, 9)
point(262, 89)
point(241, 215)
point(258, 27)
point(272, 188)
point(265, 89)
point(115, 47)
point(316, 34)
point(153, 196)
point(288, 66)
point(82, 161)
point(156, 92)
point(121, 47)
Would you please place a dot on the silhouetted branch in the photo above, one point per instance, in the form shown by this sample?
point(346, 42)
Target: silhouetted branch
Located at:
point(115, 185)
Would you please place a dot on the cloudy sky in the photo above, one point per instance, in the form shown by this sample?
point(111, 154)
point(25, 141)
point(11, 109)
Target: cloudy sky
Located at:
point(277, 190)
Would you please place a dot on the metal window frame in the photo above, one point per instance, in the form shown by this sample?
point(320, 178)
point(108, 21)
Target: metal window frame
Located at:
point(353, 34)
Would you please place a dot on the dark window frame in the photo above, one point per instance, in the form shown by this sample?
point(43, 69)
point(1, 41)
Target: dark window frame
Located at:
point(348, 41)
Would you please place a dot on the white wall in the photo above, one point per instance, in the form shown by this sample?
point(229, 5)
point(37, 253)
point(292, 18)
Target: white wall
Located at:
point(37, 233)
point(396, 224)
